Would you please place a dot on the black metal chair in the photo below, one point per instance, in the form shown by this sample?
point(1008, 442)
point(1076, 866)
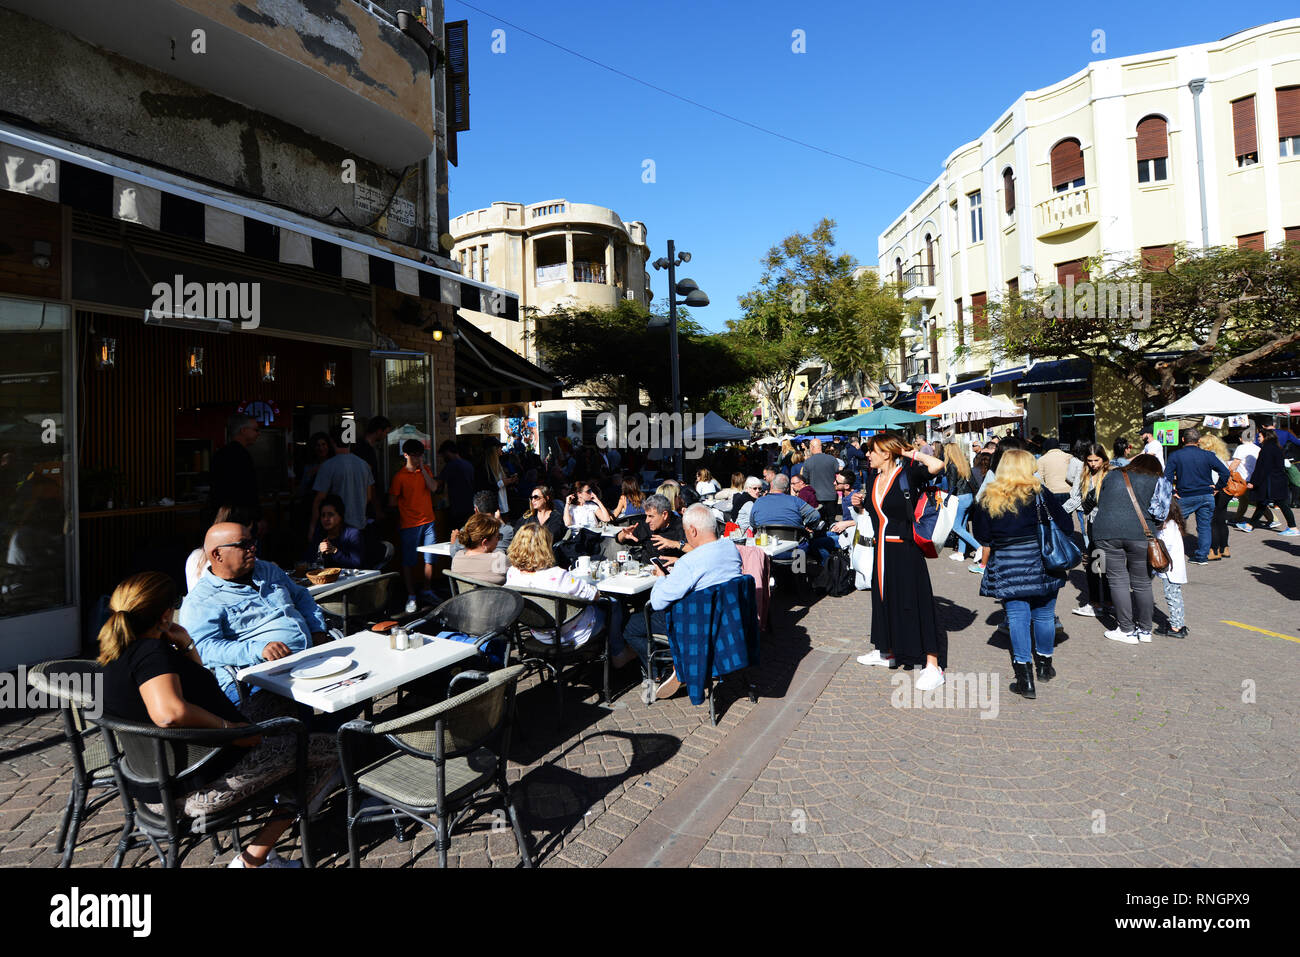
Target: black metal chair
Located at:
point(75, 683)
point(157, 766)
point(486, 612)
point(462, 583)
point(548, 612)
point(446, 755)
point(786, 562)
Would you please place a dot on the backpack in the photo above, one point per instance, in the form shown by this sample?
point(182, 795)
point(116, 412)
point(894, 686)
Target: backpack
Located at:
point(925, 517)
point(835, 578)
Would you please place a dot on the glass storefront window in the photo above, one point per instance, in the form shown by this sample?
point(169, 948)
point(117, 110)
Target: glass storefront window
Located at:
point(408, 390)
point(36, 525)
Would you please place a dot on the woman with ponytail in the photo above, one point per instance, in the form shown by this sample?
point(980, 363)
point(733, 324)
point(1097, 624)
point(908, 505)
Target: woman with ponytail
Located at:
point(152, 674)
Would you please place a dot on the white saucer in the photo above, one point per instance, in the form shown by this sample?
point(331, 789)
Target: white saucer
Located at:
point(334, 665)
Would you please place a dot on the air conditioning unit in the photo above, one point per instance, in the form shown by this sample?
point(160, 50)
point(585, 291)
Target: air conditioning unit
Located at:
point(186, 321)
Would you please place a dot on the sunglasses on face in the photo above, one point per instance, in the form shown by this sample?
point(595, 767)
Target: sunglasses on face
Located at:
point(244, 545)
point(534, 498)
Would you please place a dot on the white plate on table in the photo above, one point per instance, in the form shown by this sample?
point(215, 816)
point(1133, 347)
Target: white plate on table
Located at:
point(327, 668)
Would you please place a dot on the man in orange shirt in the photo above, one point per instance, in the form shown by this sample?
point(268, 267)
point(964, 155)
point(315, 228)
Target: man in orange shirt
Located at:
point(412, 495)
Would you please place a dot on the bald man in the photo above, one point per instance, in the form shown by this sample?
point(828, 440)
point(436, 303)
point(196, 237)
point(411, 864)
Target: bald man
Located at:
point(244, 611)
point(819, 471)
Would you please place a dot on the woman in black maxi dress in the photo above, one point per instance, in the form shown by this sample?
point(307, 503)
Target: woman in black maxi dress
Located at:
point(903, 622)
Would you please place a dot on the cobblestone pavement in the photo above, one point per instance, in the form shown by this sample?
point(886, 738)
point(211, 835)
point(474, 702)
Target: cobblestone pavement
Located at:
point(1152, 754)
point(1178, 752)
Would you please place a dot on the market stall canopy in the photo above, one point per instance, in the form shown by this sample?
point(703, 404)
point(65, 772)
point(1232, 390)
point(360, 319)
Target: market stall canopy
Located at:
point(881, 418)
point(714, 428)
point(1215, 398)
point(487, 373)
point(972, 407)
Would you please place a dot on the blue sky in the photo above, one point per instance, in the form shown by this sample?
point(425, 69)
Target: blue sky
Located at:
point(885, 84)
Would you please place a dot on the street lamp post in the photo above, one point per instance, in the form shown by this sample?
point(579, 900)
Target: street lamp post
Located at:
point(694, 297)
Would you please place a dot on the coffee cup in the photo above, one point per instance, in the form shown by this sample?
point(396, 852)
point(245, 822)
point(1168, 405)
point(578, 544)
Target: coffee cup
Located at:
point(583, 565)
point(622, 558)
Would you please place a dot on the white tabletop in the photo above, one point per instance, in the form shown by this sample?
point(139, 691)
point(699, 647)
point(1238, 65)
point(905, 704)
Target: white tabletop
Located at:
point(625, 584)
point(773, 549)
point(384, 668)
point(440, 548)
point(348, 577)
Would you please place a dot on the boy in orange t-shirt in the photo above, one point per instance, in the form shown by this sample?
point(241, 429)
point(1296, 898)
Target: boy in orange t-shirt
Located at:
point(411, 493)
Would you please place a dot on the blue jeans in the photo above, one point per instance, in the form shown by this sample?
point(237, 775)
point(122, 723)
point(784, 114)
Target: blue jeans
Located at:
point(1037, 613)
point(634, 633)
point(1203, 506)
point(959, 525)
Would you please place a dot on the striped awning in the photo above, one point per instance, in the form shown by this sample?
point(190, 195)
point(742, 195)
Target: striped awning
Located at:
point(98, 182)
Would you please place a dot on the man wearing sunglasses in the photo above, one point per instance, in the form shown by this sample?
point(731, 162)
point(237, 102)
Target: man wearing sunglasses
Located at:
point(244, 611)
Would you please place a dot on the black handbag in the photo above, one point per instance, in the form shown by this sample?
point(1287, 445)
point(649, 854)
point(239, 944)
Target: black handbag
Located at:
point(1057, 549)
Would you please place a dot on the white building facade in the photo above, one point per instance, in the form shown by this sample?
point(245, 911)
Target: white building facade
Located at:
point(1197, 145)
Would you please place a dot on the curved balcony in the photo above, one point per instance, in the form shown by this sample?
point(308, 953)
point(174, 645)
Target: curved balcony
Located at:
point(1065, 212)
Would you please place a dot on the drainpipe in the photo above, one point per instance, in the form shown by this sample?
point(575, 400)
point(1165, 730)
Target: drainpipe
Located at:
point(1196, 86)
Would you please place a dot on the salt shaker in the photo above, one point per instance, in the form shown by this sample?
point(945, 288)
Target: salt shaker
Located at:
point(399, 639)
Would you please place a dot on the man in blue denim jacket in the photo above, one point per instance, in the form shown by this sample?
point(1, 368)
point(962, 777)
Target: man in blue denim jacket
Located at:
point(244, 611)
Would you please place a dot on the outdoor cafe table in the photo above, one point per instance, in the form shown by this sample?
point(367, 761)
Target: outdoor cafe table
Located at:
point(348, 579)
point(385, 669)
point(438, 548)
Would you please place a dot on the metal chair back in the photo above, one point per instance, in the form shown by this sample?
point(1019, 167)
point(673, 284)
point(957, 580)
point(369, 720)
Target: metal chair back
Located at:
point(484, 611)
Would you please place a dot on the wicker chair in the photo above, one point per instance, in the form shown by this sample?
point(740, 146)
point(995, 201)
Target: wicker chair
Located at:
point(548, 611)
point(447, 754)
point(486, 612)
point(154, 765)
point(73, 683)
point(463, 583)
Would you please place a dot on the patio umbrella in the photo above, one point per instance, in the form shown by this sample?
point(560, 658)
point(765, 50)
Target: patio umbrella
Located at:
point(972, 407)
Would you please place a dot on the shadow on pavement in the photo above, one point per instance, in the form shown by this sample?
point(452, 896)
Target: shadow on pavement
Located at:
point(1283, 579)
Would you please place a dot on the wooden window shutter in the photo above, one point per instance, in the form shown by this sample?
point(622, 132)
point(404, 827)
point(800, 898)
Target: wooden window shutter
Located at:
point(1288, 111)
point(1157, 258)
point(1009, 190)
point(934, 350)
point(456, 47)
point(1152, 138)
point(1251, 241)
point(1013, 287)
point(979, 318)
point(1067, 163)
point(1243, 126)
point(1292, 234)
point(1072, 268)
point(961, 324)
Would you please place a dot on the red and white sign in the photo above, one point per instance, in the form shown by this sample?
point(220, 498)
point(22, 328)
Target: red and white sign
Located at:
point(927, 398)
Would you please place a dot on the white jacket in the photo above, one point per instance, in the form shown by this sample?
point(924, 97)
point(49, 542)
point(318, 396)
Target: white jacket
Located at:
point(1173, 539)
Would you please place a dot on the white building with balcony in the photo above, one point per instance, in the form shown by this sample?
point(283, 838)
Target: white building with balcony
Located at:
point(553, 254)
point(1196, 145)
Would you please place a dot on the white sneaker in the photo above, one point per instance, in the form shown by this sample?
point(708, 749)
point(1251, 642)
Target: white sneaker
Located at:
point(875, 658)
point(1085, 610)
point(956, 557)
point(1128, 637)
point(411, 606)
point(273, 860)
point(929, 679)
point(1144, 636)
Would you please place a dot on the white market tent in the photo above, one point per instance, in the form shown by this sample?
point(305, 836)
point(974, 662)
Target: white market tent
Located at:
point(972, 406)
point(714, 428)
point(1215, 398)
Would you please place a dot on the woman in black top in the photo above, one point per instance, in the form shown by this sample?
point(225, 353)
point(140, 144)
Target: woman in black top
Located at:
point(904, 628)
point(1118, 529)
point(1006, 520)
point(541, 511)
point(1269, 485)
point(152, 673)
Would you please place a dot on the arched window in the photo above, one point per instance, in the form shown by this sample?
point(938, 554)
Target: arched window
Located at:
point(898, 269)
point(1153, 149)
point(1009, 191)
point(1067, 165)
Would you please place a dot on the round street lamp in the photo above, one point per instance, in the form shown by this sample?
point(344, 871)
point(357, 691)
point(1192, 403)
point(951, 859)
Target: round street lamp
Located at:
point(692, 297)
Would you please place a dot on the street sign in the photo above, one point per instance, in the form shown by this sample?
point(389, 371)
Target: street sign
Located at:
point(864, 403)
point(927, 387)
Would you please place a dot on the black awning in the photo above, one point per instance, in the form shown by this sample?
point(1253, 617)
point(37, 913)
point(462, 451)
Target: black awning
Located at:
point(487, 373)
point(1056, 375)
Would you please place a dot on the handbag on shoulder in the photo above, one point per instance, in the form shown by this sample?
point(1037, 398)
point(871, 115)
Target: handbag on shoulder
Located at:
point(1058, 550)
point(1157, 555)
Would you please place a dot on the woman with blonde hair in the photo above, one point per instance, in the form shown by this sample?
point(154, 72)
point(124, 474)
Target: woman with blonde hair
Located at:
point(705, 483)
point(670, 491)
point(958, 473)
point(904, 627)
point(1083, 499)
point(153, 674)
point(787, 450)
point(532, 565)
point(1007, 520)
point(1219, 521)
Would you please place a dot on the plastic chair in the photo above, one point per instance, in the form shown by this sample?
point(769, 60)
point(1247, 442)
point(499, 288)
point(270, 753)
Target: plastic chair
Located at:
point(74, 683)
point(158, 766)
point(447, 754)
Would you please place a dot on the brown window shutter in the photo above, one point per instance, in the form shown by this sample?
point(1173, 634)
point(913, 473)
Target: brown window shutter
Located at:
point(1073, 268)
point(934, 351)
point(1067, 162)
point(1009, 189)
point(1157, 258)
point(979, 318)
point(1288, 111)
point(961, 325)
point(1152, 138)
point(1243, 126)
point(1251, 241)
point(1013, 287)
point(1292, 234)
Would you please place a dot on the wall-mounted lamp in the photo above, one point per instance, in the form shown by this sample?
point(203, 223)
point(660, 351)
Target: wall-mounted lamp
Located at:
point(107, 355)
point(331, 375)
point(268, 368)
point(41, 253)
point(194, 364)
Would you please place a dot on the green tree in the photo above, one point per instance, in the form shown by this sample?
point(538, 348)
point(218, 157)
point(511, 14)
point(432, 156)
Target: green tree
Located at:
point(1219, 311)
point(814, 302)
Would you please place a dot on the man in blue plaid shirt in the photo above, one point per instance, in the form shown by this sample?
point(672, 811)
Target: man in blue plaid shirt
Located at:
point(707, 560)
